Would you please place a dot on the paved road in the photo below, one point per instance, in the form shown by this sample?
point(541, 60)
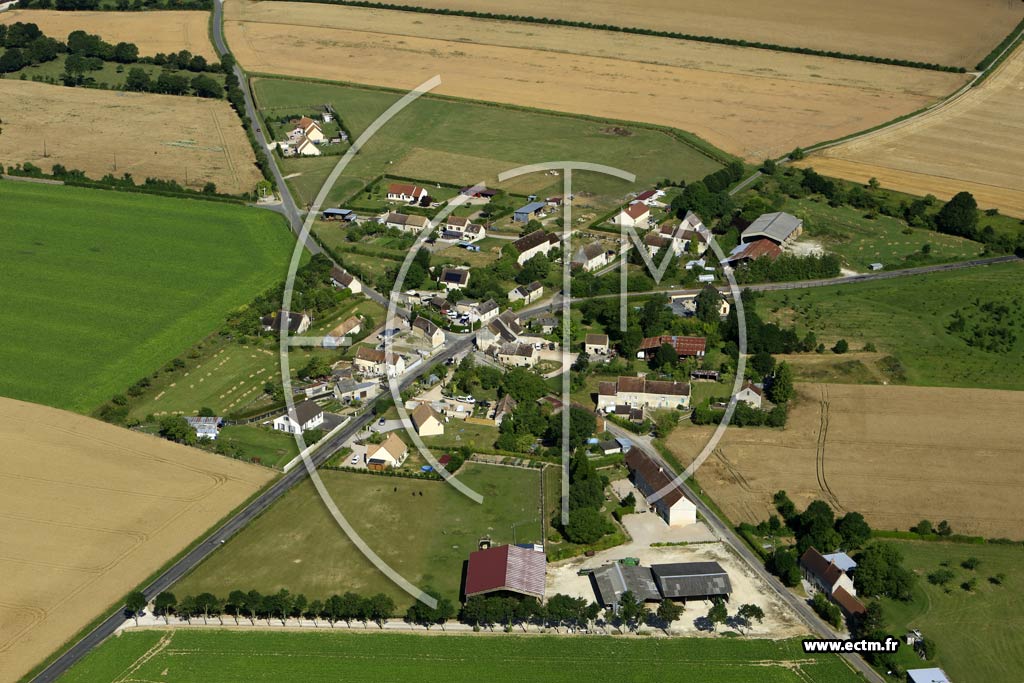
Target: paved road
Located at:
point(212, 542)
point(803, 610)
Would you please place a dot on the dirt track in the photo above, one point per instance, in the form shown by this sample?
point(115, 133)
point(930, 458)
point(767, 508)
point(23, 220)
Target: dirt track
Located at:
point(974, 143)
point(102, 131)
point(89, 510)
point(895, 454)
point(178, 30)
point(754, 103)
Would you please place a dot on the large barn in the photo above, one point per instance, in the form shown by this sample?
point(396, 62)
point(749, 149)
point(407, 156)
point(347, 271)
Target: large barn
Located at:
point(506, 569)
point(651, 478)
point(684, 581)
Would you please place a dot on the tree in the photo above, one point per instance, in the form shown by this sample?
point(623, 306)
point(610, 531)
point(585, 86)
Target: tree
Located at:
point(749, 612)
point(783, 564)
point(379, 608)
point(665, 357)
point(350, 607)
point(763, 362)
point(126, 53)
point(176, 428)
point(164, 605)
point(134, 603)
point(586, 525)
point(12, 59)
point(717, 614)
point(853, 529)
point(669, 611)
point(632, 611)
point(537, 268)
point(827, 610)
point(959, 216)
point(926, 647)
point(841, 346)
point(581, 363)
point(880, 572)
point(236, 604)
point(708, 302)
point(922, 528)
point(781, 390)
point(204, 86)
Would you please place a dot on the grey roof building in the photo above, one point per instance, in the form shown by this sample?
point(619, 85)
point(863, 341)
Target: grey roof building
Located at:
point(692, 580)
point(612, 580)
point(779, 227)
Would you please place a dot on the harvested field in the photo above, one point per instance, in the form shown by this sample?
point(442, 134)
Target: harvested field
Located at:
point(84, 128)
point(895, 454)
point(752, 103)
point(90, 510)
point(179, 30)
point(955, 32)
point(973, 143)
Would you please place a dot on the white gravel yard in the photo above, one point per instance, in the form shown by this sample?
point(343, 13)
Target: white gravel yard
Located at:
point(779, 621)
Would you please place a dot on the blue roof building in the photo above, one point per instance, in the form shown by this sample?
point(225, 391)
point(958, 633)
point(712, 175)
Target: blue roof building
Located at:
point(523, 213)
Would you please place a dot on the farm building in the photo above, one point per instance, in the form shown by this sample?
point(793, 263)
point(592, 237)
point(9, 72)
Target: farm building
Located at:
point(204, 427)
point(303, 416)
point(827, 576)
point(347, 215)
point(482, 193)
point(841, 560)
point(933, 675)
point(426, 421)
point(612, 580)
point(780, 227)
point(391, 452)
point(506, 569)
point(686, 347)
point(336, 337)
point(401, 192)
point(350, 390)
point(537, 242)
point(751, 251)
point(640, 393)
point(651, 478)
point(634, 216)
point(692, 581)
point(524, 213)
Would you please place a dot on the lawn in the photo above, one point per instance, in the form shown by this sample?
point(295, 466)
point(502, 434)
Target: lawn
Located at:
point(429, 141)
point(861, 241)
point(103, 288)
point(297, 544)
point(977, 633)
point(907, 318)
point(252, 657)
point(274, 449)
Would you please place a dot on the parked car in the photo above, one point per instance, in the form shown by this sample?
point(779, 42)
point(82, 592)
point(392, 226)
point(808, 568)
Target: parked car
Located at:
point(380, 423)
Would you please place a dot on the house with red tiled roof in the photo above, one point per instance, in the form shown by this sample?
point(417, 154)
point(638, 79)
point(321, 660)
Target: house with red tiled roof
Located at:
point(751, 251)
point(751, 394)
point(403, 192)
point(506, 569)
point(635, 215)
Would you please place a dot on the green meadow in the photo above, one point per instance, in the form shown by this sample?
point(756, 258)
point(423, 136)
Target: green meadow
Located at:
point(102, 288)
point(254, 657)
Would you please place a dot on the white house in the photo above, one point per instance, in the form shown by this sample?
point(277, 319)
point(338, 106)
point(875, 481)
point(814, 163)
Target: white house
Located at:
point(590, 257)
point(526, 293)
point(306, 415)
point(401, 192)
point(751, 394)
point(642, 393)
point(391, 452)
point(596, 345)
point(825, 575)
point(426, 421)
point(297, 322)
point(460, 228)
point(453, 278)
point(634, 216)
point(344, 280)
point(350, 326)
point(306, 147)
point(537, 242)
point(487, 311)
point(406, 222)
point(517, 355)
point(309, 129)
point(426, 328)
point(651, 478)
point(374, 362)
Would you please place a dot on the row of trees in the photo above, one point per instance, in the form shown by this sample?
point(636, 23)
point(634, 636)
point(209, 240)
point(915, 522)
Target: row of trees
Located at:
point(253, 606)
point(119, 5)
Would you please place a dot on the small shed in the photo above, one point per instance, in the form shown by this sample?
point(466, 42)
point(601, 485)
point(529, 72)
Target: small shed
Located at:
point(524, 213)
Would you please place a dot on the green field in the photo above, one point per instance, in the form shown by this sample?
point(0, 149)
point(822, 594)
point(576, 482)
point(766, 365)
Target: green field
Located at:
point(465, 142)
point(102, 288)
point(274, 449)
point(183, 656)
point(977, 633)
point(297, 544)
point(861, 241)
point(907, 318)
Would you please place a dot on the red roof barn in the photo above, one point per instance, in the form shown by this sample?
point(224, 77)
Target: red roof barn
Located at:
point(506, 568)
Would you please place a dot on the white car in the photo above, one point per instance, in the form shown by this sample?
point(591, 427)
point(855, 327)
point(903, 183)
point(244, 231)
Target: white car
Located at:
point(355, 460)
point(467, 399)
